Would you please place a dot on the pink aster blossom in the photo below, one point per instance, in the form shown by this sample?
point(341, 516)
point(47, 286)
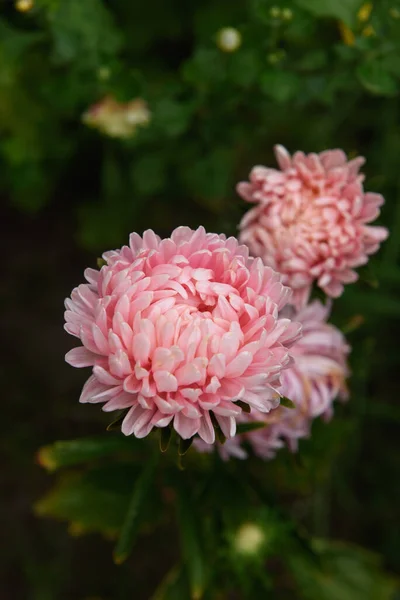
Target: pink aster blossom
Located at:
point(313, 382)
point(310, 222)
point(179, 328)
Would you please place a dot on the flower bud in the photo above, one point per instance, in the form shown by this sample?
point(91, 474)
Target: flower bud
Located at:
point(229, 39)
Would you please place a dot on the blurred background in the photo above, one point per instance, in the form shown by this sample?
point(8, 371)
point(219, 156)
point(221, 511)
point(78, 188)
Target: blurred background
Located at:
point(120, 115)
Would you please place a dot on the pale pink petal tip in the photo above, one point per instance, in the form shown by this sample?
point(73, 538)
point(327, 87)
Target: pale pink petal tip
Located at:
point(311, 219)
point(314, 379)
point(178, 330)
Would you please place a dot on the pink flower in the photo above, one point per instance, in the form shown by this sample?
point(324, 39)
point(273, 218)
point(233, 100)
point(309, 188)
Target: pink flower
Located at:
point(178, 329)
point(310, 222)
point(313, 382)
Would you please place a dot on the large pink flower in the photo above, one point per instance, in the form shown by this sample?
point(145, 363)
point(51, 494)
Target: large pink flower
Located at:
point(313, 382)
point(179, 328)
point(310, 220)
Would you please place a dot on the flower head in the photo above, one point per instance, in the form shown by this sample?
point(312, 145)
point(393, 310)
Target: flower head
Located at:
point(178, 329)
point(315, 379)
point(117, 119)
point(311, 220)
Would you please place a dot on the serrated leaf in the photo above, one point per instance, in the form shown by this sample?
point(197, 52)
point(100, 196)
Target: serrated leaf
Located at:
point(131, 523)
point(251, 426)
point(72, 452)
point(192, 550)
point(344, 10)
point(287, 403)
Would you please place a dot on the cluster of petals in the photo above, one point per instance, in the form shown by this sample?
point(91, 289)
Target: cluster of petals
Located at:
point(310, 222)
point(315, 379)
point(178, 330)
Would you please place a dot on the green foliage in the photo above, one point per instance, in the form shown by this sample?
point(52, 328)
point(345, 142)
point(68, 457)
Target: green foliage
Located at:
point(211, 113)
point(311, 74)
point(347, 572)
point(344, 10)
point(131, 523)
point(96, 500)
point(72, 452)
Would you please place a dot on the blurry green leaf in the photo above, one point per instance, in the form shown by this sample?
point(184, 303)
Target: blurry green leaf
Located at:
point(313, 60)
point(133, 515)
point(171, 116)
point(173, 587)
point(93, 501)
point(347, 572)
point(149, 173)
point(207, 66)
point(281, 86)
point(72, 452)
point(244, 67)
point(190, 532)
point(376, 80)
point(83, 31)
point(210, 177)
point(344, 10)
point(252, 426)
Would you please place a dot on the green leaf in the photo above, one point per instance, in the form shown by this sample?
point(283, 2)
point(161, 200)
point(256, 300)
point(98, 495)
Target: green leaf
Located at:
point(73, 452)
point(281, 86)
point(287, 403)
point(101, 262)
point(209, 178)
point(376, 80)
point(132, 519)
point(184, 446)
point(91, 501)
point(251, 426)
point(165, 438)
point(149, 173)
point(347, 572)
point(174, 586)
point(172, 117)
point(344, 10)
point(192, 550)
point(116, 424)
point(244, 67)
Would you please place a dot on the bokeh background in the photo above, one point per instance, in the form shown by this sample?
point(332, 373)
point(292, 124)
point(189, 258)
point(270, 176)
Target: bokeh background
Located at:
point(123, 115)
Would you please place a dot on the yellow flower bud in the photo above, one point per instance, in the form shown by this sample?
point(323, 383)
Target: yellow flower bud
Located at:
point(348, 36)
point(365, 12)
point(249, 539)
point(229, 39)
point(275, 12)
point(287, 14)
point(368, 31)
point(24, 5)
